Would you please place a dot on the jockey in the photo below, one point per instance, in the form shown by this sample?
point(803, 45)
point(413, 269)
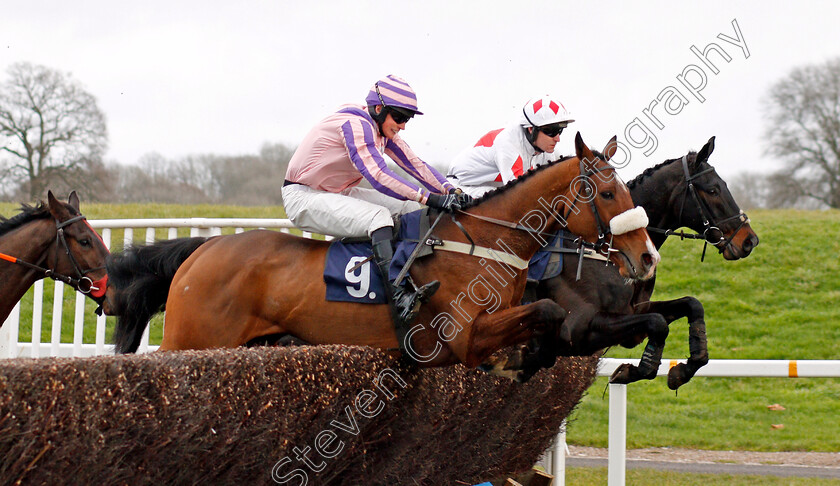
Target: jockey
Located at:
point(320, 193)
point(505, 154)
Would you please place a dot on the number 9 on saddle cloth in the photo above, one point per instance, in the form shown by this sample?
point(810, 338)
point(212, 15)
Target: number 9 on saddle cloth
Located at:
point(349, 281)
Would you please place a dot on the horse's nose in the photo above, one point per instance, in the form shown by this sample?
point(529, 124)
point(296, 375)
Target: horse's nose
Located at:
point(650, 259)
point(749, 243)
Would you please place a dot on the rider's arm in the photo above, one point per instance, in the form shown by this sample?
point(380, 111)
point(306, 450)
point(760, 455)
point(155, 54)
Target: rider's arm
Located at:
point(405, 157)
point(359, 136)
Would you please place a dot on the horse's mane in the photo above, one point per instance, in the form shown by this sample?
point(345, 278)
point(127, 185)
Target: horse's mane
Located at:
point(524, 177)
point(652, 170)
point(28, 213)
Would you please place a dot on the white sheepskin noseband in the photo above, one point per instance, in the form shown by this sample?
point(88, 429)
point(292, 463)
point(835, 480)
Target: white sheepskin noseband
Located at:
point(629, 220)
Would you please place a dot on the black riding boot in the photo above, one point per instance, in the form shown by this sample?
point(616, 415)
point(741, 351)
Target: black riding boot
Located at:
point(405, 304)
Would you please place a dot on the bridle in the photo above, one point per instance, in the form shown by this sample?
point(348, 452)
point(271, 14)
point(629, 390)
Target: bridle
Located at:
point(81, 282)
point(712, 233)
point(602, 245)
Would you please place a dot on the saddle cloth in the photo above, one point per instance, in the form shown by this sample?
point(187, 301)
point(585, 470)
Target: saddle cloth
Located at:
point(548, 261)
point(364, 284)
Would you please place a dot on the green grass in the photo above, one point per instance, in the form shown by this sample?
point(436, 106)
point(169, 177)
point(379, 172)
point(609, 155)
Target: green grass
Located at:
point(581, 476)
point(783, 302)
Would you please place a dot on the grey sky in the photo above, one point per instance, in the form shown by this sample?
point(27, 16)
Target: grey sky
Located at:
point(192, 77)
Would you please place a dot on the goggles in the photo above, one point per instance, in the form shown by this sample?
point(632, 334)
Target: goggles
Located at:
point(552, 130)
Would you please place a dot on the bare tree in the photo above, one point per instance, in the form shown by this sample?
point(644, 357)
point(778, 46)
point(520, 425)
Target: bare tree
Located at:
point(803, 129)
point(749, 189)
point(51, 128)
point(156, 179)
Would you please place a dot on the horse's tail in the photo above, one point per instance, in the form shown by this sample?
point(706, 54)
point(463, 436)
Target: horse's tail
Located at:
point(139, 279)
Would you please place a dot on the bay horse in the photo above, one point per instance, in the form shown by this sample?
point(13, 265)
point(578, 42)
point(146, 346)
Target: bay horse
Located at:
point(607, 310)
point(227, 291)
point(50, 240)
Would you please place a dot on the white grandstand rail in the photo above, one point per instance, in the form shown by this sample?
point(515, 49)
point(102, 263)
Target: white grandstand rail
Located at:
point(204, 223)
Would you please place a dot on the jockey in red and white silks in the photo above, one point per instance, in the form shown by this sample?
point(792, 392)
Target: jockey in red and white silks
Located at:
point(505, 154)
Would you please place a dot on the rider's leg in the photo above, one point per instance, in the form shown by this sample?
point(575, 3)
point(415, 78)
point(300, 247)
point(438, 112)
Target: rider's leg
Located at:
point(405, 304)
point(334, 214)
point(359, 212)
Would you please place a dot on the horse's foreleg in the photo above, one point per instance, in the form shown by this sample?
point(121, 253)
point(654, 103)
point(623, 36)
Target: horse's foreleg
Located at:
point(692, 309)
point(491, 332)
point(523, 362)
point(608, 330)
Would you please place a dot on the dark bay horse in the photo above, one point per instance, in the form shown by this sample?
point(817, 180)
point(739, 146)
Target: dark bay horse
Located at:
point(230, 290)
point(49, 240)
point(606, 310)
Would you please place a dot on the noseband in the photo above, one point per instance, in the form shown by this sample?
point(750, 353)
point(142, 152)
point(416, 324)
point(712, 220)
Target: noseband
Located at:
point(603, 245)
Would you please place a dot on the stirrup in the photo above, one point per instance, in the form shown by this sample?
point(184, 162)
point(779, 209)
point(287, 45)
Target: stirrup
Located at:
point(407, 303)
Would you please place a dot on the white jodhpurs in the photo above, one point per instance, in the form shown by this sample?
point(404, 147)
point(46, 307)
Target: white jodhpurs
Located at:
point(356, 211)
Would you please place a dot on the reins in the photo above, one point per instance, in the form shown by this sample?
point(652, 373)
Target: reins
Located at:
point(81, 282)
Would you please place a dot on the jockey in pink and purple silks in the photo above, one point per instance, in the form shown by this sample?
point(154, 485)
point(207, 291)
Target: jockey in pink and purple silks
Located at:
point(321, 194)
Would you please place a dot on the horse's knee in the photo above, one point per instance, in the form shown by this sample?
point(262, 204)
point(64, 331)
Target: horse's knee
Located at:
point(657, 328)
point(695, 308)
point(548, 311)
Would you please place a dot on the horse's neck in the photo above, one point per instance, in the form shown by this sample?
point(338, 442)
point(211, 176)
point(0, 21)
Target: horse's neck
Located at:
point(653, 193)
point(534, 194)
point(28, 244)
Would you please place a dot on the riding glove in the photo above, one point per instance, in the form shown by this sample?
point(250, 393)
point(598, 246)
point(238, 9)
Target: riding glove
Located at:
point(443, 202)
point(463, 198)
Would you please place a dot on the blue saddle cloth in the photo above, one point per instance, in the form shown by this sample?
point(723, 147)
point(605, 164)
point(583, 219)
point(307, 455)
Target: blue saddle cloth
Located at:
point(548, 261)
point(364, 285)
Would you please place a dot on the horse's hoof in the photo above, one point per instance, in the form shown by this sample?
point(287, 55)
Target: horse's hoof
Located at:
point(678, 376)
point(624, 374)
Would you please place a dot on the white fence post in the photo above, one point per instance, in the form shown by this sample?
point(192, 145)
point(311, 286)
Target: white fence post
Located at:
point(58, 311)
point(617, 435)
point(9, 334)
point(8, 342)
point(37, 317)
point(558, 459)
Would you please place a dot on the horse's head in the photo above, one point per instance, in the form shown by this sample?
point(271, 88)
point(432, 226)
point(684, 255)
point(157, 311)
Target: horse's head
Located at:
point(604, 213)
point(705, 205)
point(79, 252)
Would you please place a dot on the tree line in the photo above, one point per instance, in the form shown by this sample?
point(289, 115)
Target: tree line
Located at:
point(54, 136)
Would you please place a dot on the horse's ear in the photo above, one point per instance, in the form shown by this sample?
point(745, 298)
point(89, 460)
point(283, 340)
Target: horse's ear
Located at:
point(73, 200)
point(581, 150)
point(57, 209)
point(610, 148)
point(705, 152)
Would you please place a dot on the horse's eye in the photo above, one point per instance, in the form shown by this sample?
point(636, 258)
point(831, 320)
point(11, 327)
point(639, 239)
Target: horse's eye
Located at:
point(713, 191)
point(607, 195)
point(84, 242)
